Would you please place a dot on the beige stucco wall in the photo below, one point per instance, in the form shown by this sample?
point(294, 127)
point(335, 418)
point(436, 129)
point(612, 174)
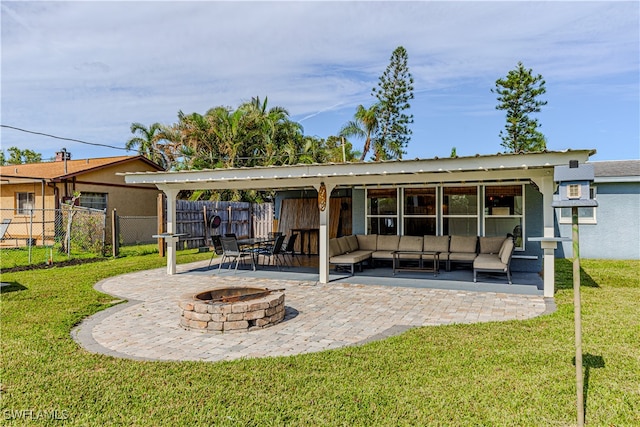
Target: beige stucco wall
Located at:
point(129, 200)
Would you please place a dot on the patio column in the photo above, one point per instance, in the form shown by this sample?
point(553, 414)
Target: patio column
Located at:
point(546, 184)
point(323, 262)
point(171, 229)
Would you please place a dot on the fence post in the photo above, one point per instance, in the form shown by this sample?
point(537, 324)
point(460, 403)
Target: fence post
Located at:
point(115, 233)
point(104, 232)
point(30, 241)
point(207, 236)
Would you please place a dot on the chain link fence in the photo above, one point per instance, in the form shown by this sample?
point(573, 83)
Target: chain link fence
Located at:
point(137, 230)
point(51, 235)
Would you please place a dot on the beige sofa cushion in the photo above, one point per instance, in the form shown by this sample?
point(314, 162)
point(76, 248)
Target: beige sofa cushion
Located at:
point(334, 248)
point(350, 258)
point(410, 243)
point(367, 242)
point(387, 242)
point(505, 251)
point(436, 244)
point(463, 244)
point(489, 262)
point(491, 245)
point(344, 246)
point(462, 256)
point(352, 242)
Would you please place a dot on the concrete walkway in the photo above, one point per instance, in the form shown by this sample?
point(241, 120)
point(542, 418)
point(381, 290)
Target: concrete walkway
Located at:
point(318, 317)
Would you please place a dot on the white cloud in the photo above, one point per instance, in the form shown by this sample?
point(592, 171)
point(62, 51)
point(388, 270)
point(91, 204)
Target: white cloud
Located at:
point(87, 70)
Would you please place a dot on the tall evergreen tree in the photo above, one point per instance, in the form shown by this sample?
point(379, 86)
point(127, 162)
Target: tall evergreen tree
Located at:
point(394, 91)
point(518, 95)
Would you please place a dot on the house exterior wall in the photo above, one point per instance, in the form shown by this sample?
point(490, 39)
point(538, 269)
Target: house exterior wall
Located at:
point(41, 223)
point(534, 227)
point(127, 199)
point(616, 233)
point(139, 200)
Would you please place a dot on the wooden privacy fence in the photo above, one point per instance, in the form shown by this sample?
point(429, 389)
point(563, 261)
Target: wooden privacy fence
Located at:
point(196, 219)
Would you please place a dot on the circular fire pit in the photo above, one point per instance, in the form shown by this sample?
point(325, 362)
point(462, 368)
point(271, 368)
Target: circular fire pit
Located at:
point(232, 309)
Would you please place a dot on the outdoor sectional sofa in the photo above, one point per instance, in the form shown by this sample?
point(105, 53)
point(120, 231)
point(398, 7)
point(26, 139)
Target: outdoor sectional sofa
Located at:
point(485, 254)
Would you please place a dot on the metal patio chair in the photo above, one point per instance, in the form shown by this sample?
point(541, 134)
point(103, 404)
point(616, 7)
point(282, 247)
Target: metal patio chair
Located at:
point(230, 250)
point(289, 249)
point(217, 248)
point(274, 252)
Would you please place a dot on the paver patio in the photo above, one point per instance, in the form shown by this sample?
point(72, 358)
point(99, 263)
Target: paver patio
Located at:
point(318, 316)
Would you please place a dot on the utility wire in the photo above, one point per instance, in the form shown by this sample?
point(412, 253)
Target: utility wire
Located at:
point(64, 139)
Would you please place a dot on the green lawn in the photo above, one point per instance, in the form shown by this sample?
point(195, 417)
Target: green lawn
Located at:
point(516, 373)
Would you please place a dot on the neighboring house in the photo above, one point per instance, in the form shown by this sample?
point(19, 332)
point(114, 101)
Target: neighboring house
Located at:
point(30, 193)
point(611, 230)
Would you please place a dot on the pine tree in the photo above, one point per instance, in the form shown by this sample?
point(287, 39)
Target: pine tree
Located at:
point(394, 91)
point(518, 95)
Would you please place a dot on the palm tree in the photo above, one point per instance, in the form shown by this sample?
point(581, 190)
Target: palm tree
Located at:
point(272, 129)
point(147, 142)
point(228, 127)
point(363, 125)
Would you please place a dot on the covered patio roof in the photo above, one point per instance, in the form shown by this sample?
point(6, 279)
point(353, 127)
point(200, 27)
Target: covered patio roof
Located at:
point(531, 167)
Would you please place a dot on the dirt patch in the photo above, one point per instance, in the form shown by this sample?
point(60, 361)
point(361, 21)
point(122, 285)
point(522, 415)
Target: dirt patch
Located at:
point(54, 265)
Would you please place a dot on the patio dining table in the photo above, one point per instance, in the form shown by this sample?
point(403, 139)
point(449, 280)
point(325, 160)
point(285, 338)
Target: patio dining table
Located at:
point(253, 244)
point(255, 241)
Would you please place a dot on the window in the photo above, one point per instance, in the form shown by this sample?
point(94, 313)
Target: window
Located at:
point(382, 211)
point(420, 208)
point(93, 200)
point(460, 211)
point(25, 202)
point(573, 191)
point(585, 215)
point(503, 212)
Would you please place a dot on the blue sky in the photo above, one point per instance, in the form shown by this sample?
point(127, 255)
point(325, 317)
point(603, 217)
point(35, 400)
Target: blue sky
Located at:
point(87, 70)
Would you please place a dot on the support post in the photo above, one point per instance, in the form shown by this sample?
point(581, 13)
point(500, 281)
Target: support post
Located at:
point(171, 229)
point(546, 185)
point(323, 235)
point(160, 207)
point(577, 316)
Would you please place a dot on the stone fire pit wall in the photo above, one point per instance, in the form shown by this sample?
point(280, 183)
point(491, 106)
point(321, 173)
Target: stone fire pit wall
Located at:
point(221, 317)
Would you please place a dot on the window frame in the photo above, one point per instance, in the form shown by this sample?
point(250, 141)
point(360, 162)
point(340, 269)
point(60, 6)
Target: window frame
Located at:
point(94, 196)
point(522, 216)
point(19, 204)
point(369, 217)
point(406, 216)
point(444, 217)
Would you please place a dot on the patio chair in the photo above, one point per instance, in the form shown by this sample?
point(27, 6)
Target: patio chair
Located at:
point(4, 226)
point(231, 251)
point(217, 248)
point(274, 252)
point(274, 234)
point(289, 249)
